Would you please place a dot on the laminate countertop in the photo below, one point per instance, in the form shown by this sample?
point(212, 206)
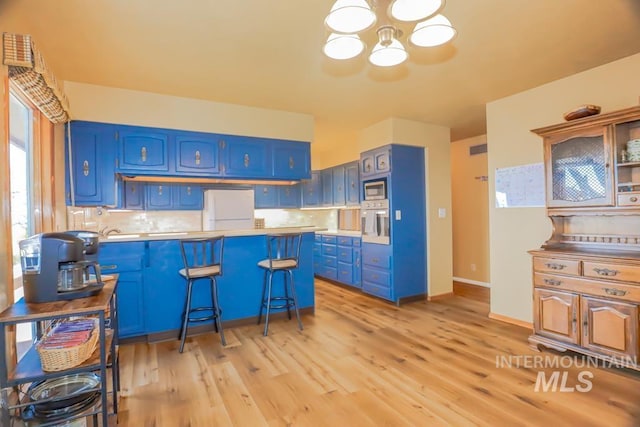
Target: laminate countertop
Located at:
point(340, 233)
point(178, 235)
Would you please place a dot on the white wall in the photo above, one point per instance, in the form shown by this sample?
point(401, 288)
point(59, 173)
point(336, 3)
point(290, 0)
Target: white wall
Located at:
point(513, 231)
point(123, 106)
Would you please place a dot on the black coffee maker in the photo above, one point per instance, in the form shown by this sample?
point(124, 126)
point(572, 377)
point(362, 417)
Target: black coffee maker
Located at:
point(55, 267)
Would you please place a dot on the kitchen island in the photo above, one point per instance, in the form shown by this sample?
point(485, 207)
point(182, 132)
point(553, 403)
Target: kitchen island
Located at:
point(151, 293)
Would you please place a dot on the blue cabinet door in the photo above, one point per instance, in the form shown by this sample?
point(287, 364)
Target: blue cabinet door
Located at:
point(143, 150)
point(367, 164)
point(90, 169)
point(326, 177)
point(352, 184)
point(246, 157)
point(265, 196)
point(291, 160)
point(159, 196)
point(187, 197)
point(357, 267)
point(126, 259)
point(134, 195)
point(197, 153)
point(339, 193)
point(311, 190)
point(289, 196)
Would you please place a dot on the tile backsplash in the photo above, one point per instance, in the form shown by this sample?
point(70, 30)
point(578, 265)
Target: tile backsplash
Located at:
point(97, 219)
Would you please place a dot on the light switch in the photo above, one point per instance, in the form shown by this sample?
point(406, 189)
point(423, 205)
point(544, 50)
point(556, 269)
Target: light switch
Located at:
point(442, 212)
point(398, 215)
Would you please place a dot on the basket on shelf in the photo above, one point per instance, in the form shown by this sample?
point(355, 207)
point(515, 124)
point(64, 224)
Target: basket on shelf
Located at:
point(68, 344)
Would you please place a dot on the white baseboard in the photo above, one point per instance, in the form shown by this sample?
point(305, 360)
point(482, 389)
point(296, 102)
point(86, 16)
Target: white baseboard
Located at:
point(472, 282)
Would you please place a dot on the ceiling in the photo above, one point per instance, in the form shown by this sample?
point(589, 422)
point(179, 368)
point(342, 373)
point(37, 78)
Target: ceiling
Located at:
point(268, 53)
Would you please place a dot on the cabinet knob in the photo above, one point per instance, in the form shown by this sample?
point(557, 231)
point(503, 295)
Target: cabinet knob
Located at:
point(159, 190)
point(188, 191)
point(552, 282)
point(633, 199)
point(615, 292)
point(291, 162)
point(197, 157)
point(85, 168)
point(143, 154)
point(133, 188)
point(265, 190)
point(246, 160)
point(554, 266)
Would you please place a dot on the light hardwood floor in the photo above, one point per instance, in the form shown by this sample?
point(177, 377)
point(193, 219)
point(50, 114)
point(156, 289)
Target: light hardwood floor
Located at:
point(364, 362)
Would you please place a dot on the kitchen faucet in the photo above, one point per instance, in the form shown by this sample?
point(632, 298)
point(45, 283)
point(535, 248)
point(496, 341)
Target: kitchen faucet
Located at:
point(105, 231)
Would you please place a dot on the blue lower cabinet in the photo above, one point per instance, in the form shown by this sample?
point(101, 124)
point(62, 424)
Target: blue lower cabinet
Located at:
point(127, 259)
point(376, 270)
point(239, 287)
point(339, 259)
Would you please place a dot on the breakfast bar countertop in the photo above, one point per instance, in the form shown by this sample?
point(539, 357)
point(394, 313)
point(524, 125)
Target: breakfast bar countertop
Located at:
point(177, 235)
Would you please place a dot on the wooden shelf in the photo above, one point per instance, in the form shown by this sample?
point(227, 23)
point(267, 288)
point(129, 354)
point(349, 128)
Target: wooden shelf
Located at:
point(628, 164)
point(29, 367)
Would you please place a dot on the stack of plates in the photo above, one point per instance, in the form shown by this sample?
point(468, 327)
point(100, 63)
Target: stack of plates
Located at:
point(633, 150)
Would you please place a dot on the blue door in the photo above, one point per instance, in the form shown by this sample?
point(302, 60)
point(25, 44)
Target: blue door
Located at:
point(289, 196)
point(339, 194)
point(311, 190)
point(143, 150)
point(134, 195)
point(159, 196)
point(291, 160)
point(266, 196)
point(187, 197)
point(246, 157)
point(197, 153)
point(352, 184)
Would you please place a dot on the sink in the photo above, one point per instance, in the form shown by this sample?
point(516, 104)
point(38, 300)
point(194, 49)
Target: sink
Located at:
point(122, 236)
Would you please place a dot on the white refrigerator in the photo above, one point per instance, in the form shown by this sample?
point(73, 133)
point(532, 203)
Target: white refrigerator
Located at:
point(228, 210)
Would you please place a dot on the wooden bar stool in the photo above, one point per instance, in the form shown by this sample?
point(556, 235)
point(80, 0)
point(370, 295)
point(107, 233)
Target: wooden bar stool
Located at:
point(283, 252)
point(202, 260)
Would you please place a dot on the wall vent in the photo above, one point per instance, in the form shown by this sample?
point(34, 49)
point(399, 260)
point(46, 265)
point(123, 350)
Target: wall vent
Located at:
point(477, 149)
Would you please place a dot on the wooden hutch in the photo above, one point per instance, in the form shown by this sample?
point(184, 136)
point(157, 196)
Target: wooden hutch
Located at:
point(586, 277)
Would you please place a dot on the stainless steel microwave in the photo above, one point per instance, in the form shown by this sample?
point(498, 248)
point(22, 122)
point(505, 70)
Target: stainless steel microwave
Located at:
point(375, 189)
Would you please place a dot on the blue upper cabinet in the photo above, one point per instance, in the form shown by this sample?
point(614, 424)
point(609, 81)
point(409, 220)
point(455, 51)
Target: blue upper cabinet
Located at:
point(291, 160)
point(143, 150)
point(90, 170)
point(339, 194)
point(289, 196)
point(375, 161)
point(311, 191)
point(173, 197)
point(188, 196)
point(197, 154)
point(265, 196)
point(352, 184)
point(159, 196)
point(134, 195)
point(326, 179)
point(245, 157)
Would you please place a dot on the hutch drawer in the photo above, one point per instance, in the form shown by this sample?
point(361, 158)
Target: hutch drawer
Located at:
point(587, 286)
point(556, 265)
point(603, 270)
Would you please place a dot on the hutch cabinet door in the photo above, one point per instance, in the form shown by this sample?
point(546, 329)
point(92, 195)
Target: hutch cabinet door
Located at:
point(556, 315)
point(143, 150)
point(610, 327)
point(197, 154)
point(579, 169)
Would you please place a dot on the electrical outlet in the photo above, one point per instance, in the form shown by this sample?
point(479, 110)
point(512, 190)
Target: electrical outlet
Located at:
point(398, 215)
point(442, 212)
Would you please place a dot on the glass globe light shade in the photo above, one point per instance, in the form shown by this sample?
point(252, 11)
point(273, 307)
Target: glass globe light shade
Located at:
point(414, 10)
point(350, 16)
point(388, 56)
point(343, 46)
point(432, 32)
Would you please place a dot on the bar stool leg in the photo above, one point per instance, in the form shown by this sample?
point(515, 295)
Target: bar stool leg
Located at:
point(185, 320)
point(264, 289)
point(216, 310)
point(295, 299)
point(287, 300)
point(266, 322)
point(213, 302)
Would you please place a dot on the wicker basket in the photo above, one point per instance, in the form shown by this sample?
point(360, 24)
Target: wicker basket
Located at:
point(59, 359)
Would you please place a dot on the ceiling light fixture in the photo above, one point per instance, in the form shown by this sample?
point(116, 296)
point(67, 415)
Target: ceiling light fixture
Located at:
point(349, 17)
